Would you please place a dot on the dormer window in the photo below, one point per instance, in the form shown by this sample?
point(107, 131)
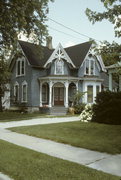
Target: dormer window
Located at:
point(20, 67)
point(59, 67)
point(90, 66)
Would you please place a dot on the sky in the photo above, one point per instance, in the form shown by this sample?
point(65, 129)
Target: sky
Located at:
point(71, 13)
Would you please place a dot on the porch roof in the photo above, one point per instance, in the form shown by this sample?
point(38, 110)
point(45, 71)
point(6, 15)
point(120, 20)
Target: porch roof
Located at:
point(114, 66)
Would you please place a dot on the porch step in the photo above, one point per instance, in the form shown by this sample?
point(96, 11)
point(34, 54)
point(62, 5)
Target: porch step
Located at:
point(58, 110)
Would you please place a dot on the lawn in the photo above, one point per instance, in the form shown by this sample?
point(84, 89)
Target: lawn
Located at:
point(24, 164)
point(16, 116)
point(99, 137)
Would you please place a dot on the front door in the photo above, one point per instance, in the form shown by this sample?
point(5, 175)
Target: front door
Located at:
point(59, 96)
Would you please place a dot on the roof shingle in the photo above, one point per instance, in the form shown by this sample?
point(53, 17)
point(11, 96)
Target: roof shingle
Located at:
point(77, 53)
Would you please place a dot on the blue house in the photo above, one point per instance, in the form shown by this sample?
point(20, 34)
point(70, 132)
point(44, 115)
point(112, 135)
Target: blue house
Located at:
point(50, 80)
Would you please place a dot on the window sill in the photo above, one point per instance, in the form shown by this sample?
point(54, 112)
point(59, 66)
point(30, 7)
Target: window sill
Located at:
point(20, 75)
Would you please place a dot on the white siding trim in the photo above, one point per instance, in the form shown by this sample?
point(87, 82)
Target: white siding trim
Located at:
point(54, 56)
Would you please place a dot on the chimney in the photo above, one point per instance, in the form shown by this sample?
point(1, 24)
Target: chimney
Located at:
point(49, 42)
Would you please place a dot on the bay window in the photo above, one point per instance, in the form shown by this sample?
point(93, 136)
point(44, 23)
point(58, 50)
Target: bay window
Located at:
point(89, 94)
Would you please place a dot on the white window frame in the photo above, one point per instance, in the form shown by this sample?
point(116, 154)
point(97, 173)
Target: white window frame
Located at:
point(94, 84)
point(16, 84)
point(20, 60)
point(56, 67)
point(89, 61)
point(24, 84)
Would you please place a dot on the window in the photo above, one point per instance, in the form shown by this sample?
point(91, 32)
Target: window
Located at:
point(59, 67)
point(44, 93)
point(97, 89)
point(89, 67)
point(20, 71)
point(18, 68)
point(24, 92)
point(16, 92)
point(90, 94)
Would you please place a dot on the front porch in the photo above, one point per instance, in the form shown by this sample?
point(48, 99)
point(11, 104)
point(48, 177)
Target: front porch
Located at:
point(114, 69)
point(57, 93)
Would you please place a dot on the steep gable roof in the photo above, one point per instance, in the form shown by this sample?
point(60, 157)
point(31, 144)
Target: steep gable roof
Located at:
point(33, 53)
point(60, 53)
point(78, 52)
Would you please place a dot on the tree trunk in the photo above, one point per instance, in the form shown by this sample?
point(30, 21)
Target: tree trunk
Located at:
point(1, 107)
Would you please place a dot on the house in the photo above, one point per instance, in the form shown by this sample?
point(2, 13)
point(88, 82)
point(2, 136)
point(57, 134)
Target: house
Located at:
point(114, 69)
point(51, 80)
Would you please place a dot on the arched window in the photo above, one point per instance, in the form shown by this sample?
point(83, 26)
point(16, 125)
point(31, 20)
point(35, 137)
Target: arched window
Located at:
point(90, 66)
point(16, 92)
point(20, 67)
point(24, 91)
point(59, 67)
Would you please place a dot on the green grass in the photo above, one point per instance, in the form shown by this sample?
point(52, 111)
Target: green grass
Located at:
point(16, 116)
point(24, 164)
point(99, 137)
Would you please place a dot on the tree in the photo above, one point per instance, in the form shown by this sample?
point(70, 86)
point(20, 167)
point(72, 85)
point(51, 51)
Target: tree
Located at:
point(113, 14)
point(16, 16)
point(4, 78)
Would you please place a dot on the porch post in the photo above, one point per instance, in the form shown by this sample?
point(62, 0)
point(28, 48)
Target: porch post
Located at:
point(94, 93)
point(66, 85)
point(50, 94)
point(77, 86)
point(119, 82)
point(40, 94)
point(110, 82)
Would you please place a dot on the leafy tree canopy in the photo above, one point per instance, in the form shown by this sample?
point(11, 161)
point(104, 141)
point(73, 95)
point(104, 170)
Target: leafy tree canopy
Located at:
point(28, 16)
point(112, 13)
point(110, 52)
point(16, 16)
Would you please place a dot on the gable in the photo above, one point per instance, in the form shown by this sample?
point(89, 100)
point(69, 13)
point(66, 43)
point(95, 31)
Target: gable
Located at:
point(78, 53)
point(36, 55)
point(60, 53)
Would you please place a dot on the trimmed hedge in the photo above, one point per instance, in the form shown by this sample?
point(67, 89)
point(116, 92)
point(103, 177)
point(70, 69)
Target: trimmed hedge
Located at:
point(107, 108)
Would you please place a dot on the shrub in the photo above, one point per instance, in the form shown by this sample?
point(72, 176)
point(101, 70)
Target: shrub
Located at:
point(78, 108)
point(107, 108)
point(87, 113)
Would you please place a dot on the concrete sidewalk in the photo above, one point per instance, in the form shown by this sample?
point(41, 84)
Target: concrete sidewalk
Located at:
point(38, 121)
point(100, 161)
point(4, 177)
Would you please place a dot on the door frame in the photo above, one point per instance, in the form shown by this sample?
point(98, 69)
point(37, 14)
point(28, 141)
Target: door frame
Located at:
point(59, 102)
